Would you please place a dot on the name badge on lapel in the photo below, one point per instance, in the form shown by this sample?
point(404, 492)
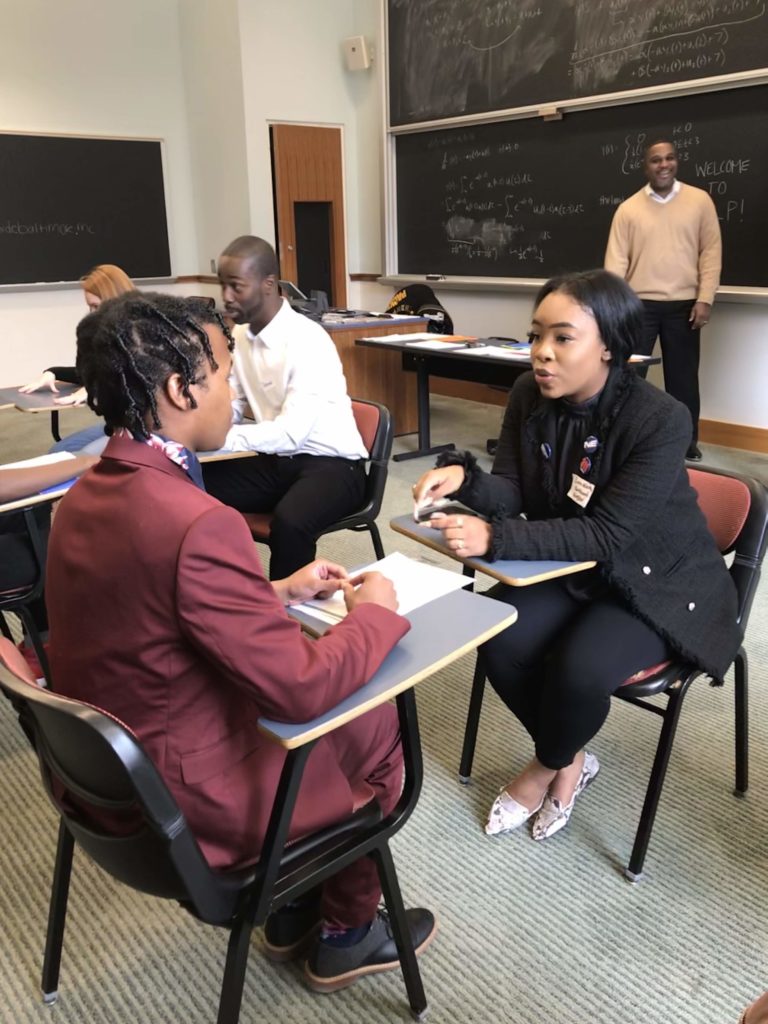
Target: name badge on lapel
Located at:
point(581, 490)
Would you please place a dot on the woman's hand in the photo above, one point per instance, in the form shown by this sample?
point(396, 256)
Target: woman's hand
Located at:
point(45, 380)
point(468, 536)
point(320, 578)
point(437, 483)
point(76, 398)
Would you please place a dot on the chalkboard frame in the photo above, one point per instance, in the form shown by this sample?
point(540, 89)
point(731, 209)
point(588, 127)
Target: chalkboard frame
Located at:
point(164, 235)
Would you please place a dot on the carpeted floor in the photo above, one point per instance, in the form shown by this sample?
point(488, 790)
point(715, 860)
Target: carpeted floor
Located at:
point(531, 933)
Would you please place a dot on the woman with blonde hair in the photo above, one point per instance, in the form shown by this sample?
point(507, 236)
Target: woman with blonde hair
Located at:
point(105, 281)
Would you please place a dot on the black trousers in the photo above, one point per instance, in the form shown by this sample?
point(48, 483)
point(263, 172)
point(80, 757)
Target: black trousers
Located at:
point(305, 493)
point(557, 667)
point(680, 348)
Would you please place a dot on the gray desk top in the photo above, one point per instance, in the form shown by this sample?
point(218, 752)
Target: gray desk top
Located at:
point(515, 572)
point(441, 631)
point(38, 401)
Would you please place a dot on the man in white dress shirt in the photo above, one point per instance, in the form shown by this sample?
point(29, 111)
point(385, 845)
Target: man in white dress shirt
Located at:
point(287, 372)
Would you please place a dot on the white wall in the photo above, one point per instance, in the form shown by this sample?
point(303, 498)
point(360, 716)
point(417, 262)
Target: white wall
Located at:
point(210, 40)
point(293, 71)
point(90, 67)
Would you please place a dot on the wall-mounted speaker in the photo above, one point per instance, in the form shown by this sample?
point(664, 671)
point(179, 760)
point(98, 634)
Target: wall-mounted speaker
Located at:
point(357, 54)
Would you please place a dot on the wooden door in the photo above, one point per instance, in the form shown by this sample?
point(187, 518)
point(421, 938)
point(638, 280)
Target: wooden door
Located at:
point(307, 168)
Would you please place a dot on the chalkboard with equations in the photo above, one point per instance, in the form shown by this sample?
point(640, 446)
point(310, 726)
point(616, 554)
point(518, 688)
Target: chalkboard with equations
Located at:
point(67, 204)
point(452, 58)
point(531, 198)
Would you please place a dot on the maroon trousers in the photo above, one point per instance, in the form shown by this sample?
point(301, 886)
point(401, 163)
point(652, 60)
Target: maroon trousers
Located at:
point(369, 751)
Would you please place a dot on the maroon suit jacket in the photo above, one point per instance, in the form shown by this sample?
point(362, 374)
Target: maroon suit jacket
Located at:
point(160, 614)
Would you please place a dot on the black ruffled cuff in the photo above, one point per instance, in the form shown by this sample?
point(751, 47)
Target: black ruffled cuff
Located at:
point(496, 547)
point(465, 459)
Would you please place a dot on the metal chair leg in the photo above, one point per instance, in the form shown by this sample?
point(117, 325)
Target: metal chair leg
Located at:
point(741, 699)
point(234, 971)
point(57, 915)
point(35, 639)
point(634, 871)
point(473, 721)
point(378, 547)
point(393, 898)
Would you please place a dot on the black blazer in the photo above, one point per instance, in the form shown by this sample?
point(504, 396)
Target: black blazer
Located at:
point(642, 524)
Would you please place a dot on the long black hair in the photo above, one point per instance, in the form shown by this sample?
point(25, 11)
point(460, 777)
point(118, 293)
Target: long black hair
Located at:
point(130, 346)
point(617, 310)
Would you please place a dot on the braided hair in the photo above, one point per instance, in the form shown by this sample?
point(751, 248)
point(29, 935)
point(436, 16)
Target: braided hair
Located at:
point(130, 346)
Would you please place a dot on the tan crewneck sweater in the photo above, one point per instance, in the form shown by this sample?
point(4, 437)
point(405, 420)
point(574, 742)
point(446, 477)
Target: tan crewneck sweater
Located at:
point(667, 251)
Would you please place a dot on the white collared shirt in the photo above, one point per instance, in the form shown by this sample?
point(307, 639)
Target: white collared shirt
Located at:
point(291, 377)
point(663, 199)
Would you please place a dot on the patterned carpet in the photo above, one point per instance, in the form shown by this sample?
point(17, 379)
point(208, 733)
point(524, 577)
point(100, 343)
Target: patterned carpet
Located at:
point(531, 933)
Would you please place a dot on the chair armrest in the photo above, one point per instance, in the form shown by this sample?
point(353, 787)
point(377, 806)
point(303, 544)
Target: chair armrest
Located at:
point(441, 632)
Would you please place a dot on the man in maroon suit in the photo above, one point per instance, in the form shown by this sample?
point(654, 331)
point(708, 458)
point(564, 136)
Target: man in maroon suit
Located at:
point(160, 614)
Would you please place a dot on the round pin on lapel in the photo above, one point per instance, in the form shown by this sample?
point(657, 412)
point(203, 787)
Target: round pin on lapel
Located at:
point(585, 465)
point(546, 450)
point(591, 444)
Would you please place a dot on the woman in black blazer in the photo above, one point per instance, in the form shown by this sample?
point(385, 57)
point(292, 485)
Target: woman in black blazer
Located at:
point(593, 456)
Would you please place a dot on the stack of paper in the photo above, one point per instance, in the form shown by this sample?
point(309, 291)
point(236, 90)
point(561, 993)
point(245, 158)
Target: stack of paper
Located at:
point(415, 585)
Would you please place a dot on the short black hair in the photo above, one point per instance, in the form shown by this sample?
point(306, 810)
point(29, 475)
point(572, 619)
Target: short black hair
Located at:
point(659, 140)
point(617, 310)
point(259, 254)
point(129, 347)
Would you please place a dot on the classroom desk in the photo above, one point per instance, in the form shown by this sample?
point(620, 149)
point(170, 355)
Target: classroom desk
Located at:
point(222, 455)
point(39, 401)
point(513, 572)
point(457, 364)
point(441, 632)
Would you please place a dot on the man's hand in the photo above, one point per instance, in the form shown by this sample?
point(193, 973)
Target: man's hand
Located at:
point(699, 315)
point(468, 536)
point(320, 578)
point(45, 380)
point(373, 589)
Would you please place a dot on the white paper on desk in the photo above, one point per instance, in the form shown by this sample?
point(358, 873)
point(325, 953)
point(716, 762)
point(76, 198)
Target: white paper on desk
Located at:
point(39, 460)
point(400, 337)
point(499, 353)
point(434, 344)
point(415, 584)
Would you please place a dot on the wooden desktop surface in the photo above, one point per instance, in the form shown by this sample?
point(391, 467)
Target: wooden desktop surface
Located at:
point(513, 572)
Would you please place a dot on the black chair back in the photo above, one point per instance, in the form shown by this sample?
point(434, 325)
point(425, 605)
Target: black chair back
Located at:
point(113, 801)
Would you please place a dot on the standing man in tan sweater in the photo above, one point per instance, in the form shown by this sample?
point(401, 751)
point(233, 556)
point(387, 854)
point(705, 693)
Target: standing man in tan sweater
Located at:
point(665, 241)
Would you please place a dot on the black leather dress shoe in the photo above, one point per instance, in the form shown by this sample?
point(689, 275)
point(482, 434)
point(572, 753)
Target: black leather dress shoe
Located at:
point(693, 454)
point(289, 931)
point(333, 967)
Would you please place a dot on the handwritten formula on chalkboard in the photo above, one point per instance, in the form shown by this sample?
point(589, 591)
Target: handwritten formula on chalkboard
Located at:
point(528, 198)
point(450, 58)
